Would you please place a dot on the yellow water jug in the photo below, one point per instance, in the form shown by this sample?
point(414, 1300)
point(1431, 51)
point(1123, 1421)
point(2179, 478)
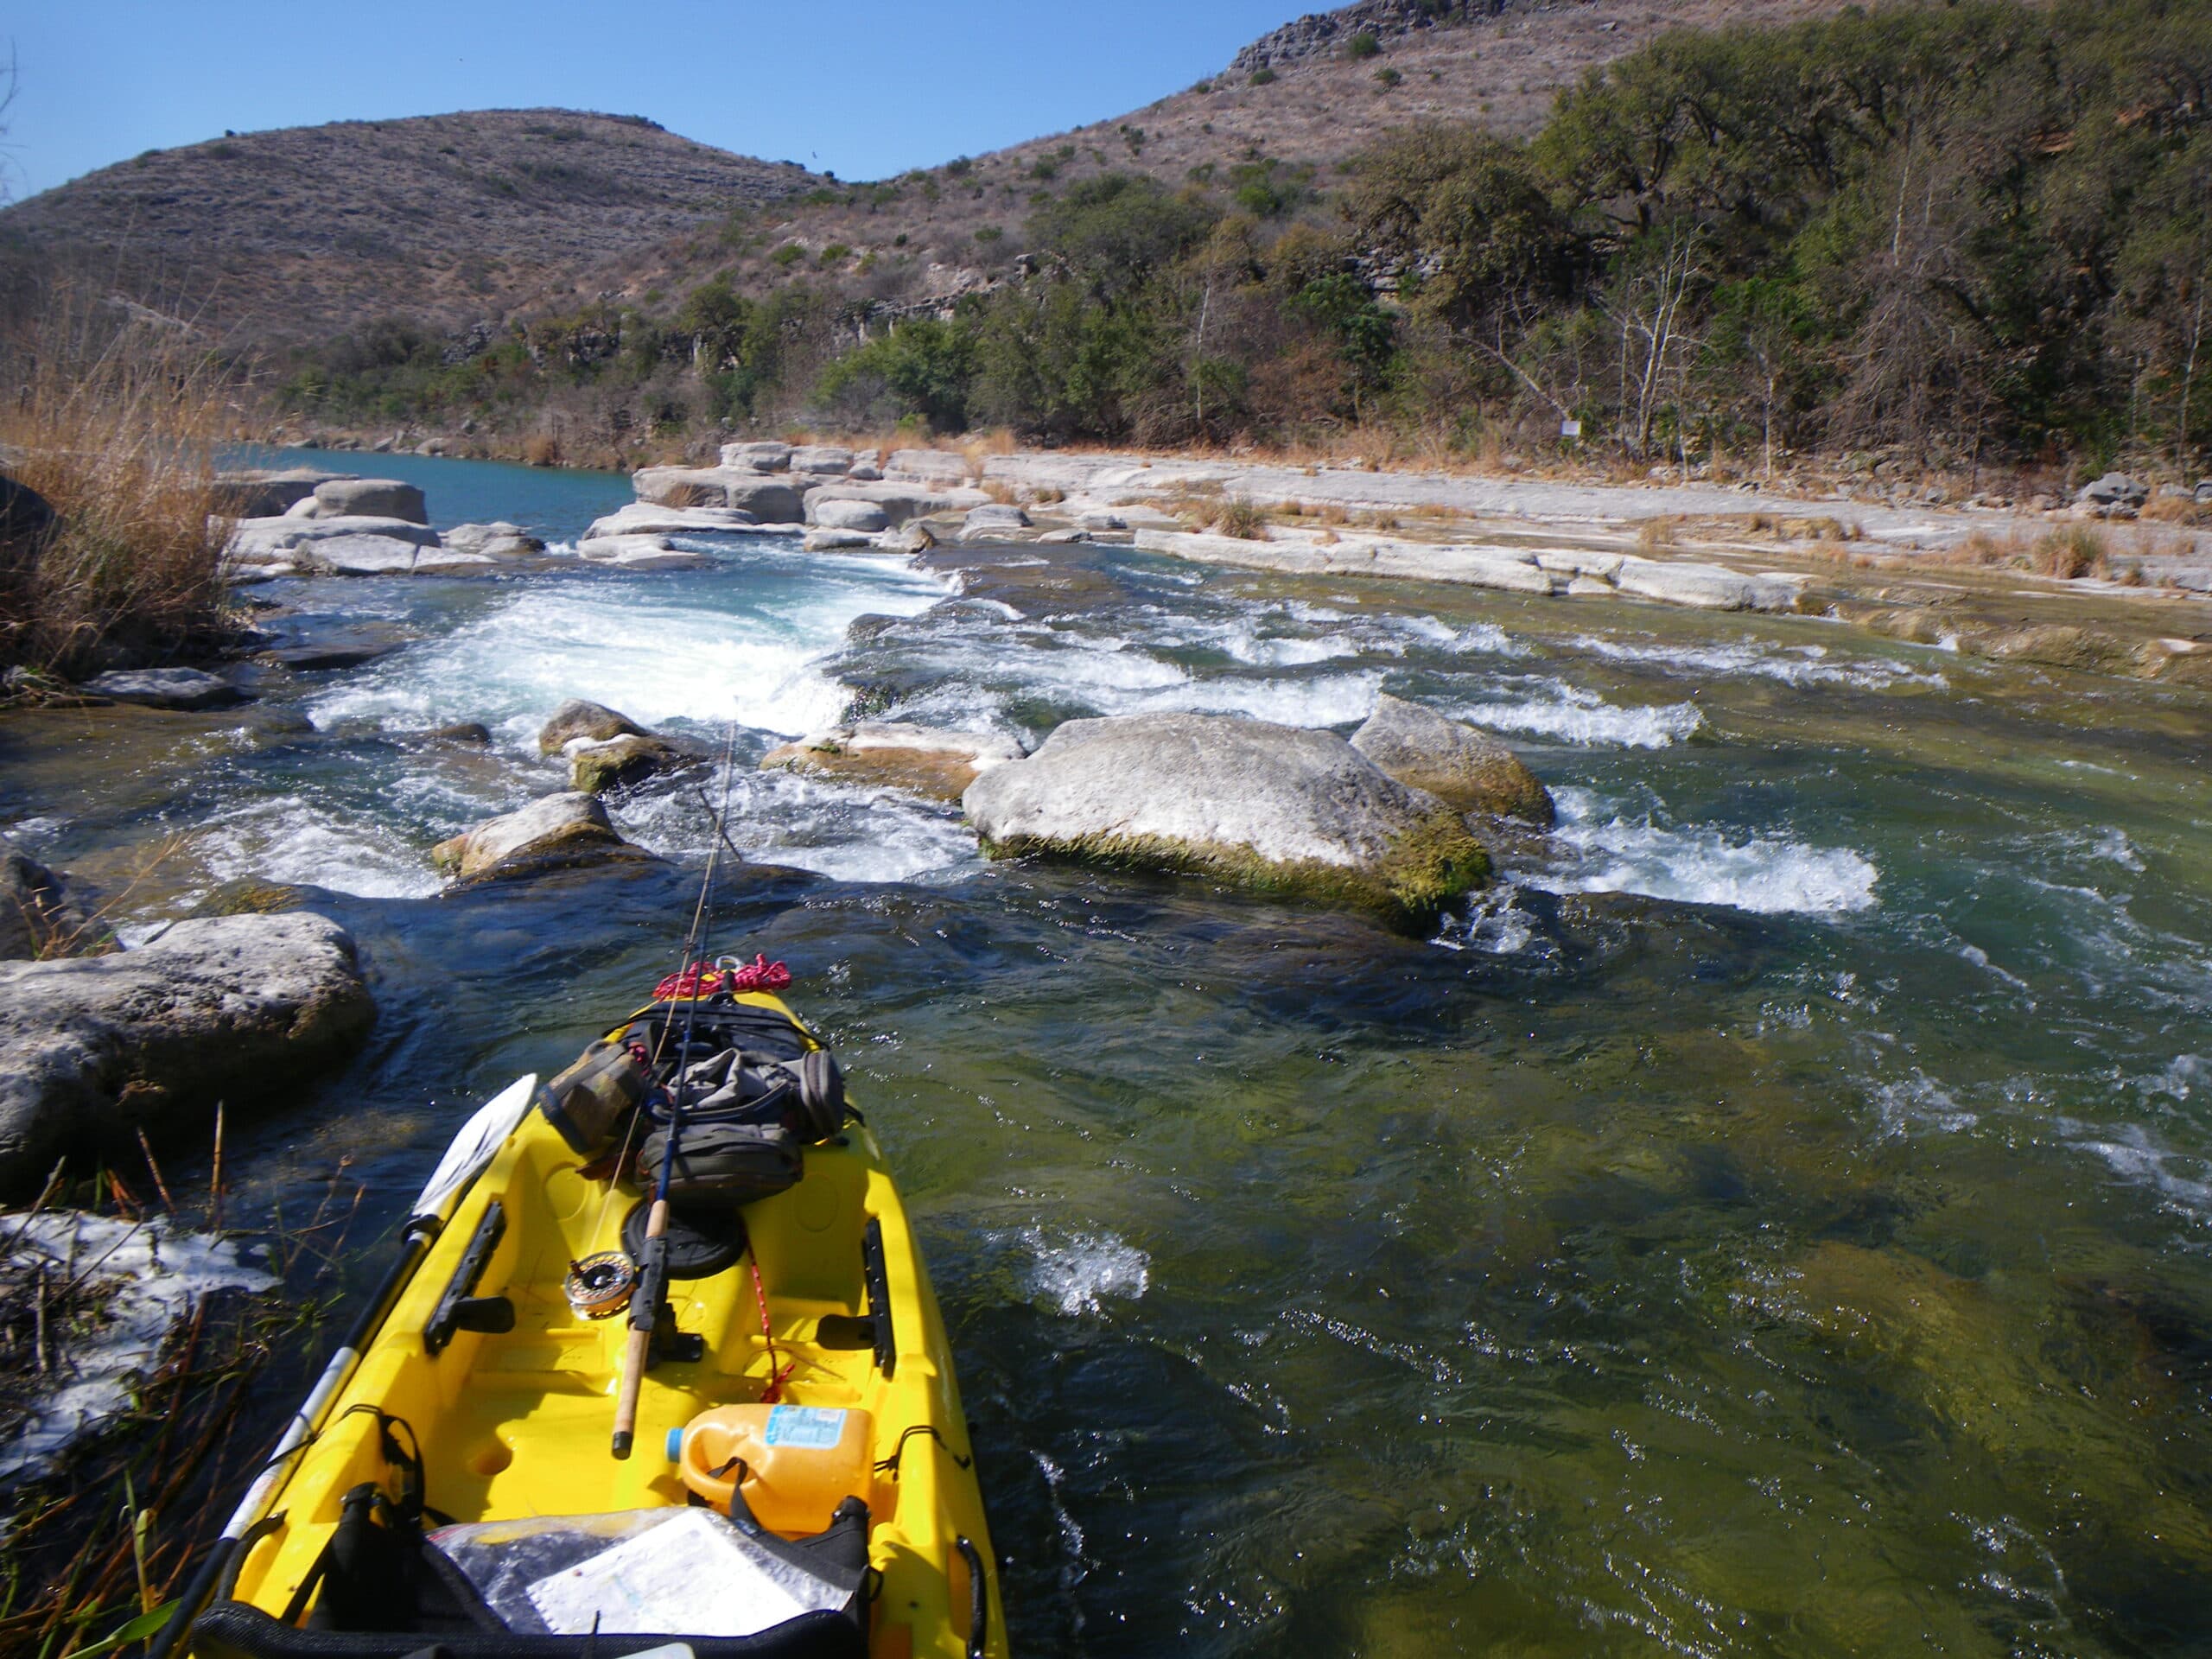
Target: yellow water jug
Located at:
point(794, 1464)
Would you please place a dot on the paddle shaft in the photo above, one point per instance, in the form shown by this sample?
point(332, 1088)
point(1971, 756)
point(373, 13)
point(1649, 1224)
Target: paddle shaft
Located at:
point(421, 1231)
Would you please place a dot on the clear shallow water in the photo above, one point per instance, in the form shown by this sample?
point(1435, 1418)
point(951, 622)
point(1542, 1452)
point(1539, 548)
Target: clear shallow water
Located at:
point(1775, 1221)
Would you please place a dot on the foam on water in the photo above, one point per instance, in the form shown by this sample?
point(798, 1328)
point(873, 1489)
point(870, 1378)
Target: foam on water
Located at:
point(286, 838)
point(1573, 715)
point(847, 832)
point(147, 1276)
point(703, 650)
point(1698, 865)
point(1791, 664)
point(1075, 1274)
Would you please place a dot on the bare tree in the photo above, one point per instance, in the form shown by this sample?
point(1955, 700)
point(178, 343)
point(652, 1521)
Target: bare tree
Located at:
point(1648, 304)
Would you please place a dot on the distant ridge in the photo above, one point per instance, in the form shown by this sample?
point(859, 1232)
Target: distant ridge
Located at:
point(304, 232)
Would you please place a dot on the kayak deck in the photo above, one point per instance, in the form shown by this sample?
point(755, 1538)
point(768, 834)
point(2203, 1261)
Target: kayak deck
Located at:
point(517, 1423)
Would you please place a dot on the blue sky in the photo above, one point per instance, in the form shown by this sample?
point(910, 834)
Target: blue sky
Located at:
point(864, 89)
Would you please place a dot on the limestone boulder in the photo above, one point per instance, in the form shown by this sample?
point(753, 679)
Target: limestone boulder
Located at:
point(771, 500)
point(266, 493)
point(767, 457)
point(165, 688)
point(554, 832)
point(897, 754)
point(991, 520)
point(1276, 808)
point(644, 518)
point(499, 540)
point(901, 502)
point(2113, 490)
point(229, 1009)
point(371, 498)
point(1464, 767)
point(934, 467)
point(1703, 586)
point(821, 458)
point(577, 720)
point(819, 540)
point(866, 517)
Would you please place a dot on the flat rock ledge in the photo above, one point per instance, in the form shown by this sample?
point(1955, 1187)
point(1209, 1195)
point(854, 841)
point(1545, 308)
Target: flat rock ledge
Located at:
point(1561, 573)
point(95, 1049)
point(897, 754)
point(557, 832)
point(1277, 809)
point(1464, 767)
point(187, 689)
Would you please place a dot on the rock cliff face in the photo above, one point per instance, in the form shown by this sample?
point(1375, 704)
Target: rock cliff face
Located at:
point(1323, 32)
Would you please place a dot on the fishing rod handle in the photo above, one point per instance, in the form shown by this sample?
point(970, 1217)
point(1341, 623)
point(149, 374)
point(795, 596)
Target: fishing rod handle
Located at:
point(626, 1402)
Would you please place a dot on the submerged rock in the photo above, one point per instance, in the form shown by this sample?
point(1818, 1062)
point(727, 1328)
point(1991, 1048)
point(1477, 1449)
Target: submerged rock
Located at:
point(922, 759)
point(1272, 807)
point(594, 723)
point(165, 688)
point(231, 1008)
point(555, 832)
point(635, 552)
point(1461, 766)
point(41, 914)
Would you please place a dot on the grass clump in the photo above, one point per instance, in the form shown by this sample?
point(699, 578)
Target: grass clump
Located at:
point(1242, 518)
point(2070, 553)
point(114, 419)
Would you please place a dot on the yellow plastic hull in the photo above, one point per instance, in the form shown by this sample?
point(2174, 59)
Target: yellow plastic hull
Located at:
point(518, 1424)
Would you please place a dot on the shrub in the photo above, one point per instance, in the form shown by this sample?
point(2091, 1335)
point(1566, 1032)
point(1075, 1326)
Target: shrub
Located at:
point(1262, 76)
point(1362, 45)
point(835, 253)
point(1386, 76)
point(788, 255)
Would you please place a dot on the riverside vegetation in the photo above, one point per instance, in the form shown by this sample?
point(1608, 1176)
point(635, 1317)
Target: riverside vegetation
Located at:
point(1978, 231)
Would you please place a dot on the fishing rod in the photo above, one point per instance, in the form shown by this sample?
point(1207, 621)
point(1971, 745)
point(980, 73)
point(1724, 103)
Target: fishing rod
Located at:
point(648, 1301)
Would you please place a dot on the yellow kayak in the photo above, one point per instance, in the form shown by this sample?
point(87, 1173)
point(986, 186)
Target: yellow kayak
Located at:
point(802, 1482)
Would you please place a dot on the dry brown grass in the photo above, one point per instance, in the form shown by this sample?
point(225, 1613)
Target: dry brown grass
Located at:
point(540, 450)
point(1657, 532)
point(1240, 518)
point(2071, 553)
point(115, 419)
point(2176, 510)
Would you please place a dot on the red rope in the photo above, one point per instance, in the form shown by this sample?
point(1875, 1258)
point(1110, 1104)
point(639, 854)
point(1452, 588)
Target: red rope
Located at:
point(776, 1378)
point(698, 979)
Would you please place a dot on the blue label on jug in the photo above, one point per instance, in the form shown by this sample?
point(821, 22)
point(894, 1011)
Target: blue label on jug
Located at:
point(813, 1428)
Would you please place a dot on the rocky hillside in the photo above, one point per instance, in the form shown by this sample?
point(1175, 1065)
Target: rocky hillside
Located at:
point(460, 223)
point(1293, 105)
point(301, 233)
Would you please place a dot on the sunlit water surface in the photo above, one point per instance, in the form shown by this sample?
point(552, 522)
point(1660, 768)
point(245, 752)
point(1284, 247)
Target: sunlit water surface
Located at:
point(1774, 1221)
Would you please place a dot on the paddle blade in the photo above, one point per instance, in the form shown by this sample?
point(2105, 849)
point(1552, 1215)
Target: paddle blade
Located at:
point(473, 1147)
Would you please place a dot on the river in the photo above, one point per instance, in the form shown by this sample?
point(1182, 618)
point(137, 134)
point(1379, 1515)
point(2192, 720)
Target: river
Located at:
point(1777, 1220)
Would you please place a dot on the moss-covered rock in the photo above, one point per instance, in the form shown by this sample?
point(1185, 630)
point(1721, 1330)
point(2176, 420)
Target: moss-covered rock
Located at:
point(1275, 809)
point(1461, 766)
point(625, 762)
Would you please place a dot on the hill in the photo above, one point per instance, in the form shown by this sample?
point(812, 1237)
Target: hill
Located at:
point(299, 233)
point(1294, 104)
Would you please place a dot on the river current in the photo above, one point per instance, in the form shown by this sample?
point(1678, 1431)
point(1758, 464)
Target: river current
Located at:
point(1777, 1219)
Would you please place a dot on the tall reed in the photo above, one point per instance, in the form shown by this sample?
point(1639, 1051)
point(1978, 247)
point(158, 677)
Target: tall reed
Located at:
point(114, 414)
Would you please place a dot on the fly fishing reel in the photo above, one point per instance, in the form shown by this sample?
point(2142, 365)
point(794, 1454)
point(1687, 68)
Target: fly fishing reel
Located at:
point(599, 1287)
